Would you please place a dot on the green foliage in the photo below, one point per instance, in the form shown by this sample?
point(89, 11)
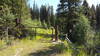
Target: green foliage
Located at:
point(80, 31)
point(12, 9)
point(67, 12)
point(62, 22)
point(7, 18)
point(93, 39)
point(97, 37)
point(32, 23)
point(20, 9)
point(90, 13)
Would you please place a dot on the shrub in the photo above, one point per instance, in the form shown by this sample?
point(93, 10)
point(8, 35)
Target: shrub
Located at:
point(80, 30)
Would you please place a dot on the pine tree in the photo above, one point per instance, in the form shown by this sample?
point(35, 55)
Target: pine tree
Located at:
point(13, 9)
point(75, 24)
point(86, 9)
point(67, 10)
point(89, 13)
point(35, 11)
point(93, 17)
point(98, 17)
point(61, 9)
point(51, 15)
point(61, 15)
point(44, 13)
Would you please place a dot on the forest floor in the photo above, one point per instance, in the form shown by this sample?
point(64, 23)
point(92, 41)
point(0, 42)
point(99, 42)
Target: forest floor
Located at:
point(38, 47)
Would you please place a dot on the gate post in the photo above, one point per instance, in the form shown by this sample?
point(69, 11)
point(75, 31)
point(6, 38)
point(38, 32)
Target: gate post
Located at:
point(35, 32)
point(56, 33)
point(52, 34)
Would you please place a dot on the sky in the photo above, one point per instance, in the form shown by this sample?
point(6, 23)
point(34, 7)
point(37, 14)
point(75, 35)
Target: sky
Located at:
point(54, 3)
point(95, 2)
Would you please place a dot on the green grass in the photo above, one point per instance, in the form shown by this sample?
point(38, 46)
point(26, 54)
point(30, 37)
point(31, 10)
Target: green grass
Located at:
point(40, 45)
point(26, 45)
point(2, 43)
point(45, 31)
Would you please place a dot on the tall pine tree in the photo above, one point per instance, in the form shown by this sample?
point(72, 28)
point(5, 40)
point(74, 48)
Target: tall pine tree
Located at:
point(98, 17)
point(35, 11)
point(93, 16)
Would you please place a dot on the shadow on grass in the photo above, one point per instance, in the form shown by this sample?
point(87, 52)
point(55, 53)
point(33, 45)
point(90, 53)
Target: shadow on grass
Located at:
point(51, 51)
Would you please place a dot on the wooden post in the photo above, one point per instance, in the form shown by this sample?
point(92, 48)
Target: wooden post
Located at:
point(52, 34)
point(35, 32)
point(56, 33)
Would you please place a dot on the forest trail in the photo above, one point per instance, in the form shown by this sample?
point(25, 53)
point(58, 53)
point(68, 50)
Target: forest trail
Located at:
point(41, 47)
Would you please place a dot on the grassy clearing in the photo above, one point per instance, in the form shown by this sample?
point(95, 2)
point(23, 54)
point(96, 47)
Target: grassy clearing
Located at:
point(27, 46)
point(39, 47)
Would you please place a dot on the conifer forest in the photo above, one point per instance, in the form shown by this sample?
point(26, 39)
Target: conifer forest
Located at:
point(49, 27)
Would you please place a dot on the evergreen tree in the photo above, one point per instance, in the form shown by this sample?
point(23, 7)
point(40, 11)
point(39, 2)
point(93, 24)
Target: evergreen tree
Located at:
point(68, 10)
point(86, 9)
point(97, 16)
point(61, 9)
point(75, 25)
point(62, 12)
point(89, 13)
point(93, 17)
point(18, 7)
point(51, 15)
point(35, 11)
point(44, 13)
point(12, 9)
